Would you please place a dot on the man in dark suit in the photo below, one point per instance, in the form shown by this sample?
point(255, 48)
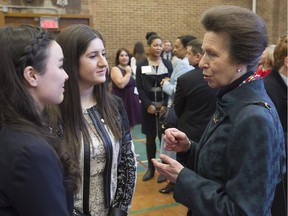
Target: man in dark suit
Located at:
point(195, 101)
point(167, 50)
point(276, 87)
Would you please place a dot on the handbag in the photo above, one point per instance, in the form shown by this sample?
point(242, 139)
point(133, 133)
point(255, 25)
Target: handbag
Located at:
point(168, 118)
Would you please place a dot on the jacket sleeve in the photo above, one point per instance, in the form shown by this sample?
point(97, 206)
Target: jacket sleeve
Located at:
point(126, 179)
point(181, 68)
point(253, 170)
point(36, 182)
point(179, 98)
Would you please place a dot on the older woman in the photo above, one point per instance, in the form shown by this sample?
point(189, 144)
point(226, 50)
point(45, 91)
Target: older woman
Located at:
point(240, 158)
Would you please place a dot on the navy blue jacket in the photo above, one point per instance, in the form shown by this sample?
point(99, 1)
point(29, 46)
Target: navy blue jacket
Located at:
point(31, 178)
point(239, 159)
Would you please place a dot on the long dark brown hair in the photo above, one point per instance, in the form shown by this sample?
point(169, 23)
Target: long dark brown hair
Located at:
point(139, 51)
point(74, 41)
point(21, 47)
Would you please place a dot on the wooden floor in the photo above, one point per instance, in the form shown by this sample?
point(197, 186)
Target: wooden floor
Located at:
point(147, 200)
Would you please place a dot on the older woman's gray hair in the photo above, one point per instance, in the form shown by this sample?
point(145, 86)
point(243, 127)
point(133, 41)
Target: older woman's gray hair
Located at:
point(246, 30)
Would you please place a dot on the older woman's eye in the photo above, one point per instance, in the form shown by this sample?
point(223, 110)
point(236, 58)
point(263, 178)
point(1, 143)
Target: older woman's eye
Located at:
point(211, 54)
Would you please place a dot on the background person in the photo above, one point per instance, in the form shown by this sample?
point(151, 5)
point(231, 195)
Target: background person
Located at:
point(168, 85)
point(180, 50)
point(124, 86)
point(138, 55)
point(195, 101)
point(147, 36)
point(276, 86)
point(168, 53)
point(266, 61)
point(167, 50)
point(240, 157)
point(149, 74)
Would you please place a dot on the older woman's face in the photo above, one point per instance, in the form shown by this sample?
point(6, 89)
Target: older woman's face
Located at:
point(218, 69)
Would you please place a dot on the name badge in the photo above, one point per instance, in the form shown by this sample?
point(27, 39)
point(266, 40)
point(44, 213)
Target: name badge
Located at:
point(146, 69)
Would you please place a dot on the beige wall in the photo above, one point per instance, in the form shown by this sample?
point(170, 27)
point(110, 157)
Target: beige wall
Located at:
point(122, 23)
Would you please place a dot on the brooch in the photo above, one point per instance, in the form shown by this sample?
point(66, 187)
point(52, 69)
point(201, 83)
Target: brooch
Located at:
point(215, 118)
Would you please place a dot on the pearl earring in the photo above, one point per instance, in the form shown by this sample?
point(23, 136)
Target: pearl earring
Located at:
point(239, 70)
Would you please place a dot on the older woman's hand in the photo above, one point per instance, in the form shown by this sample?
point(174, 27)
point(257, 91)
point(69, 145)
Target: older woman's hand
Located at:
point(176, 140)
point(171, 168)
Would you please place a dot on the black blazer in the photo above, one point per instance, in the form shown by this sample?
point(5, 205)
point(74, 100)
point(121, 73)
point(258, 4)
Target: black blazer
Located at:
point(195, 102)
point(277, 91)
point(144, 82)
point(31, 177)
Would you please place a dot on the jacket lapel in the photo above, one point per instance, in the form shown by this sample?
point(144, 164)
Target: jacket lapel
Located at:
point(216, 120)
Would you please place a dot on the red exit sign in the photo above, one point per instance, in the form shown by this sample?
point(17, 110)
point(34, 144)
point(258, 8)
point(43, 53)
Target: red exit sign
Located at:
point(49, 22)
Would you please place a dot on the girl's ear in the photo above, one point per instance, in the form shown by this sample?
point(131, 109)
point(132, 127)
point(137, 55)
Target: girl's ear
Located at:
point(30, 76)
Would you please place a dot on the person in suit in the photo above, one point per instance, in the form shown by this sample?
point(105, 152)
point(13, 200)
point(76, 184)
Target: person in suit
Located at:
point(276, 86)
point(168, 53)
point(276, 81)
point(195, 101)
point(240, 157)
point(169, 86)
point(36, 176)
point(180, 50)
point(149, 74)
point(167, 50)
